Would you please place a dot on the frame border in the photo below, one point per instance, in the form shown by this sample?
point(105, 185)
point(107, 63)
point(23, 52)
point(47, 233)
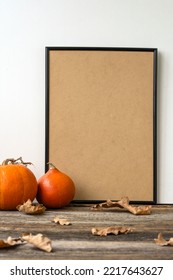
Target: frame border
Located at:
point(47, 110)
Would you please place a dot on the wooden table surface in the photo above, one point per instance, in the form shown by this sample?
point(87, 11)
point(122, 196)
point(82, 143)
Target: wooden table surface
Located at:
point(76, 240)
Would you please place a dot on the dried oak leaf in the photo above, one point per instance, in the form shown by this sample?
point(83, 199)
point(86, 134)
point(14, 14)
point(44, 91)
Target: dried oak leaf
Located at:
point(162, 242)
point(40, 241)
point(62, 222)
point(10, 242)
point(124, 203)
point(31, 209)
point(104, 231)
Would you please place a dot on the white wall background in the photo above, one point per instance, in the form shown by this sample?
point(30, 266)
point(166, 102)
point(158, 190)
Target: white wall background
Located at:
point(27, 26)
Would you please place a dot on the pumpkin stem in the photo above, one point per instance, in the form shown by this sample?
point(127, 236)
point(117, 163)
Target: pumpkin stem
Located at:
point(15, 161)
point(52, 166)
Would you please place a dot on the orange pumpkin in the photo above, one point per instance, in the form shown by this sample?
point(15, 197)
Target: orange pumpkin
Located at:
point(55, 189)
point(17, 184)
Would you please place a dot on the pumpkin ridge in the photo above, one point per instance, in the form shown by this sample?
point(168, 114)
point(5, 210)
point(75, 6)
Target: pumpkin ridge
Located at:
point(23, 183)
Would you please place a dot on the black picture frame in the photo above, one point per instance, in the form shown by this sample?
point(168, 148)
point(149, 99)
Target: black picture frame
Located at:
point(89, 50)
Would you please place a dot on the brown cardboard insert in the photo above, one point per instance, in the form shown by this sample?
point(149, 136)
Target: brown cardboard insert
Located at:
point(100, 121)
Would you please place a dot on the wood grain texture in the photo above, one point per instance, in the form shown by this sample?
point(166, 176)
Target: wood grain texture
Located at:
point(76, 241)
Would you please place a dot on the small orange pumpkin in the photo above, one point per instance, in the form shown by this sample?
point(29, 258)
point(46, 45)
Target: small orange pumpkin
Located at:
point(55, 189)
point(17, 184)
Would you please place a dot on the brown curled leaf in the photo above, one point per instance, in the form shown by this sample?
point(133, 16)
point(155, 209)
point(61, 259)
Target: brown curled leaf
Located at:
point(62, 222)
point(10, 242)
point(162, 242)
point(124, 203)
point(136, 210)
point(39, 240)
point(31, 209)
point(104, 231)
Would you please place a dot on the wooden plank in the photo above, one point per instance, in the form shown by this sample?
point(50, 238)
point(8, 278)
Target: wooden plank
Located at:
point(77, 242)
